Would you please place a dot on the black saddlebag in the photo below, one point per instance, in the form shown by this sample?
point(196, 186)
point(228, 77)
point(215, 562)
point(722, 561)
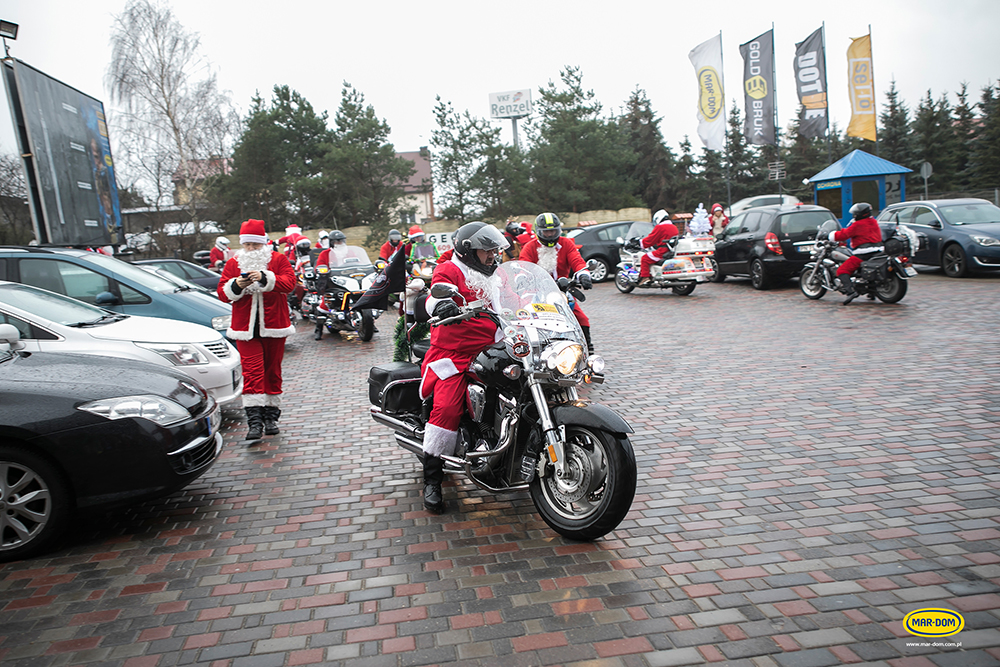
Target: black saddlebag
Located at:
point(395, 386)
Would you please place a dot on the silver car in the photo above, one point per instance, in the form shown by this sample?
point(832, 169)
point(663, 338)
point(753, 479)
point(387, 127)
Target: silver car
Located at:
point(50, 322)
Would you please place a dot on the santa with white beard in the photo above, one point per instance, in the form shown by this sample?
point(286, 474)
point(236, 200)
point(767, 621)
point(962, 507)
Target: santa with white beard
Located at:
point(257, 282)
point(561, 258)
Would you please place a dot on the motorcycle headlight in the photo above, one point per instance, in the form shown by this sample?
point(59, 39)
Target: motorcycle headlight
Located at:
point(222, 322)
point(986, 240)
point(596, 363)
point(156, 409)
point(564, 357)
point(179, 355)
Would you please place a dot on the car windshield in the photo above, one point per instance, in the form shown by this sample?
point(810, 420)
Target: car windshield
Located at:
point(51, 306)
point(970, 214)
point(803, 221)
point(573, 233)
point(130, 272)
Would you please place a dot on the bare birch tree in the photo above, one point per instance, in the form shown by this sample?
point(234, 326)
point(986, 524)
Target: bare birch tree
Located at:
point(15, 219)
point(170, 108)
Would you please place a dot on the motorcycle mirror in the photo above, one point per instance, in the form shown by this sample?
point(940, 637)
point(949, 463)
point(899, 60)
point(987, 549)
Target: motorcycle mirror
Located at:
point(443, 291)
point(577, 294)
point(620, 241)
point(592, 265)
point(563, 284)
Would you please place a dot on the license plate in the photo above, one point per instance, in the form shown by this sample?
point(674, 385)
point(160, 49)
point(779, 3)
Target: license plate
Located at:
point(910, 271)
point(213, 420)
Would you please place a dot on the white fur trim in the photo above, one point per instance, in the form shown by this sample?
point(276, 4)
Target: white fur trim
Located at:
point(443, 368)
point(227, 287)
point(439, 441)
point(270, 281)
point(254, 400)
point(277, 333)
point(273, 400)
point(233, 334)
point(252, 238)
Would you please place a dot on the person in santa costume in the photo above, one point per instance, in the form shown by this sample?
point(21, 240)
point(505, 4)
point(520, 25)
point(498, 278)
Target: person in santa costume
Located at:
point(866, 239)
point(656, 244)
point(257, 282)
point(293, 234)
point(220, 253)
point(455, 346)
point(391, 245)
point(561, 258)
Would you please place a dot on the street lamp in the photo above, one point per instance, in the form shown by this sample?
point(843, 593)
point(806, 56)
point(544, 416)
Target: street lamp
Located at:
point(8, 30)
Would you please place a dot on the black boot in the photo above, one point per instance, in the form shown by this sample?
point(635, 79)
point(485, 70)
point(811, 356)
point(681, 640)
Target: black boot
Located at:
point(318, 334)
point(586, 335)
point(847, 287)
point(271, 417)
point(255, 422)
point(433, 476)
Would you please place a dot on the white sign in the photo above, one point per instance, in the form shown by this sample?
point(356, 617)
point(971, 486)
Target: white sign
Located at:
point(512, 104)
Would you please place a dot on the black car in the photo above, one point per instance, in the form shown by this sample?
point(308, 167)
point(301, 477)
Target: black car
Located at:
point(963, 235)
point(599, 242)
point(769, 243)
point(80, 432)
point(192, 273)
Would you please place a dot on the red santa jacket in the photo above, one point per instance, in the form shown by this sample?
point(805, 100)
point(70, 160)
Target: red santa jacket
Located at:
point(265, 305)
point(861, 232)
point(569, 262)
point(290, 242)
point(656, 241)
point(385, 252)
point(462, 342)
point(216, 257)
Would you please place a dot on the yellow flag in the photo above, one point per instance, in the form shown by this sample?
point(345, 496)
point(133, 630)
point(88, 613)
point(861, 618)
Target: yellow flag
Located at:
point(862, 86)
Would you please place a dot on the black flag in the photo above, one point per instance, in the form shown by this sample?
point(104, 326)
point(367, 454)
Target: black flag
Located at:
point(758, 89)
point(390, 280)
point(810, 79)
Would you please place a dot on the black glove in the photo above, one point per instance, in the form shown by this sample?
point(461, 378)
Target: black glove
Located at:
point(632, 245)
point(586, 282)
point(445, 309)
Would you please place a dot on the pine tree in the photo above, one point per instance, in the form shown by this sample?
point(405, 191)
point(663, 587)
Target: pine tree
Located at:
point(454, 163)
point(934, 140)
point(894, 137)
point(984, 161)
point(687, 185)
point(655, 164)
point(965, 132)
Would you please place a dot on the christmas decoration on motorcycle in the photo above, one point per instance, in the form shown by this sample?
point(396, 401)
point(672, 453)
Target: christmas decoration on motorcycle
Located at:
point(700, 223)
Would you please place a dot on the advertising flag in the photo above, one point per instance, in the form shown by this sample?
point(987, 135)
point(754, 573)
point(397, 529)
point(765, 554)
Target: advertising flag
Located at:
point(758, 89)
point(862, 86)
point(810, 81)
point(390, 280)
point(707, 61)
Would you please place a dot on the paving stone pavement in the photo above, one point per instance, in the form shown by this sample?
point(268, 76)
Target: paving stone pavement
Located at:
point(808, 474)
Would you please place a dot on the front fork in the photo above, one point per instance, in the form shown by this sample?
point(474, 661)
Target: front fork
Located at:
point(555, 435)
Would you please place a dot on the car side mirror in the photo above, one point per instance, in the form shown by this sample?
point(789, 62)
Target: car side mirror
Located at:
point(106, 299)
point(10, 337)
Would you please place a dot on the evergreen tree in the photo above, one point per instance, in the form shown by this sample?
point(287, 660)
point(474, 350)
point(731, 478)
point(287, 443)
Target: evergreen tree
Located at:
point(579, 159)
point(894, 137)
point(686, 182)
point(965, 132)
point(984, 159)
point(934, 140)
point(804, 158)
point(710, 184)
point(741, 159)
point(502, 177)
point(454, 163)
point(655, 163)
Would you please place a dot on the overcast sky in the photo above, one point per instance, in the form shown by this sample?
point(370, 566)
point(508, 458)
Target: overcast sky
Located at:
point(400, 55)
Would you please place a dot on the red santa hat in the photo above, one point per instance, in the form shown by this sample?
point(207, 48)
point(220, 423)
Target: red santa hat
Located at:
point(252, 231)
point(717, 207)
point(292, 229)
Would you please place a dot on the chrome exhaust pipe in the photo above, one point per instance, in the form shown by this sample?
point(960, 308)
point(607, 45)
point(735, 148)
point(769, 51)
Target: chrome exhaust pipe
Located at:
point(396, 425)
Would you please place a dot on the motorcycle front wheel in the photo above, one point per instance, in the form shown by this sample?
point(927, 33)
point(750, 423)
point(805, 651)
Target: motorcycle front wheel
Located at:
point(597, 493)
point(811, 284)
point(624, 282)
point(891, 290)
point(366, 328)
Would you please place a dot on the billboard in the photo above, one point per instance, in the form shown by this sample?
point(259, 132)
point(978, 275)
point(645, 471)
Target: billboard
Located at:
point(512, 104)
point(64, 143)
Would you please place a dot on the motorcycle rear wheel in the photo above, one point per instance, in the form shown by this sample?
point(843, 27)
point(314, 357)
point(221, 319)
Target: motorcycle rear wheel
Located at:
point(601, 492)
point(812, 289)
point(891, 290)
point(684, 290)
point(623, 282)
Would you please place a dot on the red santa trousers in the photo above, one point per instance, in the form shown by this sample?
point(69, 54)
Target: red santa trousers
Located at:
point(261, 359)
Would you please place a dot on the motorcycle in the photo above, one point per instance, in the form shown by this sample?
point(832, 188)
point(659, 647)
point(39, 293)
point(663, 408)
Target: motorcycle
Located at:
point(883, 275)
point(690, 264)
point(339, 286)
point(525, 425)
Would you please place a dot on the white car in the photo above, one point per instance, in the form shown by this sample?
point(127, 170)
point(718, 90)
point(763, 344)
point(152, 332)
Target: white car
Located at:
point(761, 200)
point(50, 322)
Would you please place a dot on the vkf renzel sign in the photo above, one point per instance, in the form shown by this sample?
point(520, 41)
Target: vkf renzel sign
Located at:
point(512, 104)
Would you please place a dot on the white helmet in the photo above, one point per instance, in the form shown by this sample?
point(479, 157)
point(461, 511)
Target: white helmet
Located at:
point(659, 216)
point(222, 241)
point(323, 234)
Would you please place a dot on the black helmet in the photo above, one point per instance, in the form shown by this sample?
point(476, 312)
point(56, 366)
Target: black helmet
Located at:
point(302, 246)
point(861, 210)
point(548, 229)
point(514, 229)
point(337, 236)
point(474, 236)
point(395, 237)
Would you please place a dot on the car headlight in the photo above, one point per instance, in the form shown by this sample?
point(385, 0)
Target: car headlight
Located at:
point(178, 354)
point(156, 409)
point(563, 357)
point(986, 240)
point(222, 322)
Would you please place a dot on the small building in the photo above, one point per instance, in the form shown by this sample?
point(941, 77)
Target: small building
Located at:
point(419, 189)
point(857, 177)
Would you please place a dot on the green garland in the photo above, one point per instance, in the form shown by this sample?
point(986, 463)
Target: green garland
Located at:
point(401, 347)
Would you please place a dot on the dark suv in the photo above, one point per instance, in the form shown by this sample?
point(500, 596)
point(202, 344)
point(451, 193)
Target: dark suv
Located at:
point(599, 242)
point(769, 243)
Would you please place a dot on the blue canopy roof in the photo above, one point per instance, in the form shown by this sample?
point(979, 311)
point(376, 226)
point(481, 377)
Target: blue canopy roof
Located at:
point(858, 164)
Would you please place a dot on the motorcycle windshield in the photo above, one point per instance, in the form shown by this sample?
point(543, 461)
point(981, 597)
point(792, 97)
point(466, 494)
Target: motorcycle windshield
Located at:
point(350, 257)
point(526, 297)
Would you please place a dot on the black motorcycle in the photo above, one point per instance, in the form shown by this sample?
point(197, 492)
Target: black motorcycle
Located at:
point(525, 426)
point(338, 287)
point(882, 275)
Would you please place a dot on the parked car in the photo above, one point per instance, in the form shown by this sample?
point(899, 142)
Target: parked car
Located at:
point(761, 200)
point(203, 257)
point(768, 243)
point(598, 242)
point(50, 322)
point(963, 235)
point(78, 433)
point(176, 280)
point(193, 273)
point(110, 283)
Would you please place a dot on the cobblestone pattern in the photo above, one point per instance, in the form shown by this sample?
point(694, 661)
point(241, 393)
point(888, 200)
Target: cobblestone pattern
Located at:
point(808, 474)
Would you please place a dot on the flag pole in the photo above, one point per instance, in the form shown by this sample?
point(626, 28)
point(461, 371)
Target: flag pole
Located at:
point(826, 89)
point(871, 51)
point(774, 94)
point(725, 125)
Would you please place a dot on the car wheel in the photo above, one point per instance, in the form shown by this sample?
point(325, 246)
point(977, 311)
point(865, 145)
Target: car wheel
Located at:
point(600, 269)
point(34, 503)
point(718, 276)
point(758, 278)
point(953, 261)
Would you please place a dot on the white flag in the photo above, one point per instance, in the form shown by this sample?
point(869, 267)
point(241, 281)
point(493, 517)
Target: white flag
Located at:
point(707, 61)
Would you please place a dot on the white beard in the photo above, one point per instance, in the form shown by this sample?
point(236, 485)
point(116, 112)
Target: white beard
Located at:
point(547, 258)
point(480, 284)
point(253, 260)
